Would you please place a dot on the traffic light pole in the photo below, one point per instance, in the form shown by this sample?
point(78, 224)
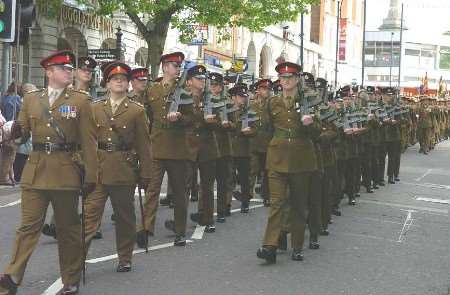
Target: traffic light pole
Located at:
point(5, 66)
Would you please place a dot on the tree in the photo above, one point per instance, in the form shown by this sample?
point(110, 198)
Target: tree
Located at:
point(153, 17)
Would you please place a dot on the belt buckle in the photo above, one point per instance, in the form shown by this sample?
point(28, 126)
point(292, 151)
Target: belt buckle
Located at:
point(109, 147)
point(48, 147)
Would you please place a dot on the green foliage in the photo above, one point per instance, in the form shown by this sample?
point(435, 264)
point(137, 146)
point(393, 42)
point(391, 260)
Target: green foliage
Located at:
point(252, 14)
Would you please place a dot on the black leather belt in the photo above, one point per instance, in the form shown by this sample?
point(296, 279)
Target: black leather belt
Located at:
point(112, 147)
point(50, 147)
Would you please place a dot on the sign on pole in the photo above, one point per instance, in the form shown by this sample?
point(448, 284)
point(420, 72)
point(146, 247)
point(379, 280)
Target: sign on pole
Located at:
point(200, 35)
point(342, 38)
point(99, 54)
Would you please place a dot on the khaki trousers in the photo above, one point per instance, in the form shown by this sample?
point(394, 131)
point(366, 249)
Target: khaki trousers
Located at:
point(68, 229)
point(177, 171)
point(298, 185)
point(122, 201)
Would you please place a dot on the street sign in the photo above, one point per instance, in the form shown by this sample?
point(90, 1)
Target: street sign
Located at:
point(99, 54)
point(200, 35)
point(7, 20)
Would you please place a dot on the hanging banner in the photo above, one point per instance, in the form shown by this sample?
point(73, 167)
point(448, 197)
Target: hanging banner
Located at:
point(342, 38)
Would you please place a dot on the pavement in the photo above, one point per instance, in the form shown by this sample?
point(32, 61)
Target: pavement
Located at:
point(394, 241)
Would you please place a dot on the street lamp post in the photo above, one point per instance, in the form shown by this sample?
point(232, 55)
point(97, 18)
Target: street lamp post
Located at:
point(401, 50)
point(364, 45)
point(338, 16)
point(301, 40)
point(392, 57)
point(119, 42)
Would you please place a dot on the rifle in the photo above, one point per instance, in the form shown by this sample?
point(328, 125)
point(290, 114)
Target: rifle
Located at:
point(175, 98)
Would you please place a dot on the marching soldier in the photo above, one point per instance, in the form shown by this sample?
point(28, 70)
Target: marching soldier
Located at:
point(61, 122)
point(424, 125)
point(124, 161)
point(203, 146)
point(259, 143)
point(138, 81)
point(83, 78)
point(327, 140)
point(240, 143)
point(393, 140)
point(291, 162)
point(170, 152)
point(223, 161)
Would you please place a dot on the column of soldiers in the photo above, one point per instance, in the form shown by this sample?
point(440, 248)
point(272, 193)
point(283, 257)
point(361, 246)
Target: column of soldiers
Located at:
point(306, 153)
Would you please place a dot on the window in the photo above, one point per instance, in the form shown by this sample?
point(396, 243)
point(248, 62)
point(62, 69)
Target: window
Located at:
point(412, 52)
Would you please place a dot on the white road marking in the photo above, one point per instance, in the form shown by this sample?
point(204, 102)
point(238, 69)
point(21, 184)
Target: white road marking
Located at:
point(423, 176)
point(139, 251)
point(54, 288)
point(428, 185)
point(11, 204)
point(419, 208)
point(57, 286)
point(408, 222)
point(198, 232)
point(432, 200)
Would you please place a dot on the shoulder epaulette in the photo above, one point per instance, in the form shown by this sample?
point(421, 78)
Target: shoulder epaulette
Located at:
point(80, 91)
point(101, 99)
point(136, 103)
point(35, 91)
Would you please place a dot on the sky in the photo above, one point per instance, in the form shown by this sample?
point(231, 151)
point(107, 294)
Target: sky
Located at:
point(420, 16)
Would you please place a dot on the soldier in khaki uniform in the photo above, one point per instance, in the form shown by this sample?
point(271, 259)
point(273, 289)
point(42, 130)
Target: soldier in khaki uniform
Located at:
point(170, 152)
point(240, 143)
point(260, 142)
point(124, 161)
point(83, 76)
point(424, 126)
point(60, 121)
point(291, 162)
point(223, 161)
point(393, 140)
point(138, 81)
point(203, 147)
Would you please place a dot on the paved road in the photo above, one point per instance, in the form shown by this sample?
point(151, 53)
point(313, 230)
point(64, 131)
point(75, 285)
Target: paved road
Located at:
point(393, 242)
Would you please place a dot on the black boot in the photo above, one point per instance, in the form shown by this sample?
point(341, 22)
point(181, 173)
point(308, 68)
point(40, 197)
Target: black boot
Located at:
point(49, 230)
point(268, 253)
point(244, 207)
point(391, 180)
point(297, 255)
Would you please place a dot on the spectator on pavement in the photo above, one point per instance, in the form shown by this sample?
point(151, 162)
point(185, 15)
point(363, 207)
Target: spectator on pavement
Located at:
point(10, 107)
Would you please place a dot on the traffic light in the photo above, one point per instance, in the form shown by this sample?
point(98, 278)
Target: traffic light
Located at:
point(26, 14)
point(7, 20)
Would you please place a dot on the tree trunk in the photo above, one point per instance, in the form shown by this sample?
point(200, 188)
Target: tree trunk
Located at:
point(156, 41)
point(155, 38)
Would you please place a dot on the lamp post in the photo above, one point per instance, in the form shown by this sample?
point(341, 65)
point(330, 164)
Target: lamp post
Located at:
point(338, 16)
point(392, 57)
point(301, 40)
point(119, 43)
point(364, 45)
